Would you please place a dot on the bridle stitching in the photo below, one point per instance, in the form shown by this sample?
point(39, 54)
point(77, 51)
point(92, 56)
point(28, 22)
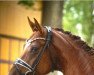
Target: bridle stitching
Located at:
point(30, 41)
point(23, 65)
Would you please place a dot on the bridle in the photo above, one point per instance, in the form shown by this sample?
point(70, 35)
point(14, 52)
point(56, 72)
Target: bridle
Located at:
point(31, 69)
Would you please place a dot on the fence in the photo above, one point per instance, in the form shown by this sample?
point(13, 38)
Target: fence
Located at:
point(10, 48)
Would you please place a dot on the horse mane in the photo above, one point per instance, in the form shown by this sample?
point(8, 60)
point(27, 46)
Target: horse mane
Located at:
point(77, 40)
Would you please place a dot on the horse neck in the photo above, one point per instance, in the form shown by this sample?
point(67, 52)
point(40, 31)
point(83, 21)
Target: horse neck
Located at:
point(73, 60)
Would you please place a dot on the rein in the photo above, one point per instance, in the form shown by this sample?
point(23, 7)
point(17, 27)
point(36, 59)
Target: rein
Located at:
point(31, 69)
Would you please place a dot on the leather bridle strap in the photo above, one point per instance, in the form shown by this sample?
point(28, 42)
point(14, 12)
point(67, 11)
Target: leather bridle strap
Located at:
point(48, 40)
point(37, 60)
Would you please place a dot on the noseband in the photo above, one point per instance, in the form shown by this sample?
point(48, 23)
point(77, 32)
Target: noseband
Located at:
point(31, 69)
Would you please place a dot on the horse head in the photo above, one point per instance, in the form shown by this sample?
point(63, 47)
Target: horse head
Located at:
point(36, 57)
point(51, 49)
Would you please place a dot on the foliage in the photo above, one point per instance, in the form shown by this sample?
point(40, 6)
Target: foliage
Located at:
point(78, 18)
point(27, 3)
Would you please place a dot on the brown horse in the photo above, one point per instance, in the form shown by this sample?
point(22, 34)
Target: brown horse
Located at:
point(50, 49)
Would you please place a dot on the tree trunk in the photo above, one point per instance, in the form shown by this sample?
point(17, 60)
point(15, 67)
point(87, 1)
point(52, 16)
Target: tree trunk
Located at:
point(52, 13)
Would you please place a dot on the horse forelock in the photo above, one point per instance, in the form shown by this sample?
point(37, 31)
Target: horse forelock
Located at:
point(77, 40)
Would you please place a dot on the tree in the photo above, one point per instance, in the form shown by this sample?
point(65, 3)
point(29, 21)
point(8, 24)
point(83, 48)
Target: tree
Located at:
point(52, 13)
point(78, 18)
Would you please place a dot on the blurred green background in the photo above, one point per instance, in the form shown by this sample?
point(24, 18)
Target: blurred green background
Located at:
point(79, 19)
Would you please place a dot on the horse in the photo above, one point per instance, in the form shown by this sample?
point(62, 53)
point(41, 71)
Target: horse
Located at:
point(49, 49)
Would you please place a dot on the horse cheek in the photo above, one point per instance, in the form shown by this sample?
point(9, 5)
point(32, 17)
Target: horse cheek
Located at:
point(45, 64)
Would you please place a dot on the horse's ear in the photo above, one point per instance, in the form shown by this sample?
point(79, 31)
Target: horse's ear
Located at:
point(38, 26)
point(32, 25)
point(35, 26)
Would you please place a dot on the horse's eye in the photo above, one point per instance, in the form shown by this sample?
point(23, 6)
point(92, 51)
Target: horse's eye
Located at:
point(34, 49)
